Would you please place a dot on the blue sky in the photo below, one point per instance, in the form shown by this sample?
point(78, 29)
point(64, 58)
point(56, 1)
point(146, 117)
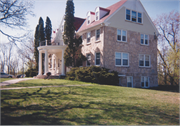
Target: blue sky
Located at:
point(55, 10)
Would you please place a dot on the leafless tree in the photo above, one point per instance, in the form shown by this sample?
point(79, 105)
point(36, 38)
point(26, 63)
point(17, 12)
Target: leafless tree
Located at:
point(13, 15)
point(169, 45)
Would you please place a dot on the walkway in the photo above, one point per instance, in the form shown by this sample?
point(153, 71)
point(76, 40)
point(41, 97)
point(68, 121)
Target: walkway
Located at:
point(4, 83)
point(14, 88)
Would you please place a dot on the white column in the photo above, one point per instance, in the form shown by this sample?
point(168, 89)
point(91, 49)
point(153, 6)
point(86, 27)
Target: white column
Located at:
point(40, 63)
point(62, 68)
point(46, 62)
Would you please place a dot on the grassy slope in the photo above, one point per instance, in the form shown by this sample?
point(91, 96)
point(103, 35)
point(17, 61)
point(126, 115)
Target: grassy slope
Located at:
point(98, 104)
point(5, 79)
point(43, 82)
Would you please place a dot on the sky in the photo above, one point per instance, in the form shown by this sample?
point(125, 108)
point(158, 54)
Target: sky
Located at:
point(55, 10)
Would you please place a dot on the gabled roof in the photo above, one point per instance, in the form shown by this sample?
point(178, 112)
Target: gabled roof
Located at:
point(78, 22)
point(111, 9)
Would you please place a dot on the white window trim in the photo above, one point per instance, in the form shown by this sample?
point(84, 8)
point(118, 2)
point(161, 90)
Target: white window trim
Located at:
point(99, 34)
point(132, 81)
point(144, 83)
point(121, 35)
point(96, 15)
point(99, 59)
point(87, 38)
point(144, 39)
point(121, 60)
point(87, 60)
point(144, 60)
point(136, 16)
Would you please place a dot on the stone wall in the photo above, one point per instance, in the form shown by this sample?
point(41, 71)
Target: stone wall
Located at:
point(134, 48)
point(108, 45)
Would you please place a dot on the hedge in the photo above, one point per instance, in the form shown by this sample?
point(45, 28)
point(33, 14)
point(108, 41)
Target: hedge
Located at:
point(93, 74)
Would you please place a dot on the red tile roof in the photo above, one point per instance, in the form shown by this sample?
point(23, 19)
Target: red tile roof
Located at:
point(78, 22)
point(111, 9)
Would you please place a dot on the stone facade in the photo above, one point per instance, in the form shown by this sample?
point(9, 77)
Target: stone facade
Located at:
point(108, 46)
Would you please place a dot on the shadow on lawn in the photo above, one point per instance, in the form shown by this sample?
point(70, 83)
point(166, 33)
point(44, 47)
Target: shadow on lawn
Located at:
point(63, 114)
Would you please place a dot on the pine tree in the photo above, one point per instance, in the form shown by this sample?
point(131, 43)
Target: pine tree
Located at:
point(48, 30)
point(73, 56)
point(41, 30)
point(36, 44)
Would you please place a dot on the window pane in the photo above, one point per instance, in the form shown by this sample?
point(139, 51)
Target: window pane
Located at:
point(97, 55)
point(141, 60)
point(118, 61)
point(125, 62)
point(146, 39)
point(146, 60)
point(142, 41)
point(97, 61)
point(124, 36)
point(142, 79)
point(97, 34)
point(119, 35)
point(125, 56)
point(142, 84)
point(129, 84)
point(139, 15)
point(97, 14)
point(139, 20)
point(127, 14)
point(118, 56)
point(134, 16)
point(142, 36)
point(147, 82)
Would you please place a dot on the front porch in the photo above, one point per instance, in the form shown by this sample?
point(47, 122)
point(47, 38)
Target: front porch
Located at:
point(53, 59)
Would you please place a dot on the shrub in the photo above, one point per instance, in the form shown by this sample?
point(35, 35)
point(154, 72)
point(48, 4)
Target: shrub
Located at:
point(93, 74)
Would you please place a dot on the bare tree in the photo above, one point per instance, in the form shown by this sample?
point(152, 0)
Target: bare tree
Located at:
point(13, 15)
point(3, 54)
point(169, 45)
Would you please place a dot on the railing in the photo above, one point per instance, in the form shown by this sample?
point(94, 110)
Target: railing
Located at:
point(48, 43)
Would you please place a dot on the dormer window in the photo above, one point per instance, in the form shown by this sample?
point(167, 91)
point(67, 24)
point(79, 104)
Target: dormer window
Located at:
point(97, 15)
point(133, 16)
point(88, 20)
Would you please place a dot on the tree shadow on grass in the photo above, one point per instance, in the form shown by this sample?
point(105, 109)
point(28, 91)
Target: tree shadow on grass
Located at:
point(91, 113)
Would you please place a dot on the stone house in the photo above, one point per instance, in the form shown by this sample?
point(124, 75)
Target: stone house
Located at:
point(121, 37)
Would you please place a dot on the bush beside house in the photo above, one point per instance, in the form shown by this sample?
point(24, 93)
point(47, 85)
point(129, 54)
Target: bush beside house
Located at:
point(93, 74)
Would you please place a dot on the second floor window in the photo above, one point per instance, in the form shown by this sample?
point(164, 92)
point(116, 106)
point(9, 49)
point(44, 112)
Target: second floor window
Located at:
point(144, 60)
point(97, 34)
point(121, 59)
point(144, 39)
point(88, 37)
point(121, 35)
point(97, 61)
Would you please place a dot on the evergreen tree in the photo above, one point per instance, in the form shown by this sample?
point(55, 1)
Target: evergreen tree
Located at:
point(41, 30)
point(48, 30)
point(36, 44)
point(73, 55)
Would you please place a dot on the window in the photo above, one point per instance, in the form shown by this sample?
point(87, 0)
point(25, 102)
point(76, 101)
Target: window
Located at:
point(97, 62)
point(97, 15)
point(88, 20)
point(88, 37)
point(144, 60)
point(97, 34)
point(50, 63)
point(121, 59)
point(129, 81)
point(121, 37)
point(144, 81)
point(133, 16)
point(144, 39)
point(128, 14)
point(88, 59)
point(139, 18)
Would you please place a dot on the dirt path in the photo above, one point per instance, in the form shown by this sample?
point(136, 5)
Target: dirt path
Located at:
point(4, 83)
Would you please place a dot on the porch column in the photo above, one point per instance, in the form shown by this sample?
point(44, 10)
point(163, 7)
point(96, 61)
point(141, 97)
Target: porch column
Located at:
point(46, 62)
point(62, 68)
point(40, 63)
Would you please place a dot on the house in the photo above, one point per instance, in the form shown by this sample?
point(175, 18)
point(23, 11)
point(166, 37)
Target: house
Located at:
point(121, 37)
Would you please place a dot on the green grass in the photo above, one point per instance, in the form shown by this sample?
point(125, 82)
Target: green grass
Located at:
point(90, 105)
point(43, 82)
point(5, 79)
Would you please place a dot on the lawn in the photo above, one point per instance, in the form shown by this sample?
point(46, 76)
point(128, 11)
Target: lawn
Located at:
point(90, 105)
point(5, 79)
point(43, 82)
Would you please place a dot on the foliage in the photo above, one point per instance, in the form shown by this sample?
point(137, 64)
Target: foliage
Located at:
point(48, 30)
point(41, 30)
point(73, 56)
point(169, 42)
point(93, 74)
point(36, 44)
